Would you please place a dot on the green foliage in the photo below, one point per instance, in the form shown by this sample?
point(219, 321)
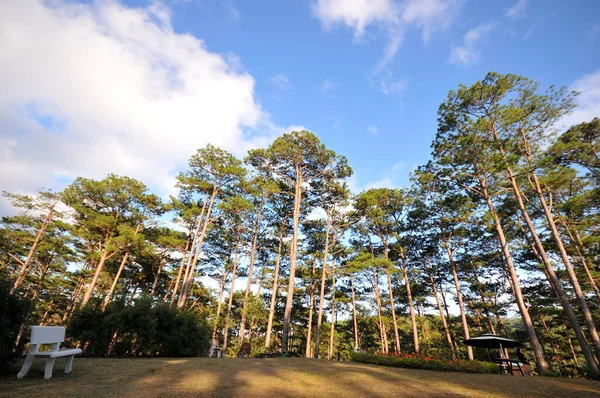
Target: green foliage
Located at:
point(140, 330)
point(425, 362)
point(13, 313)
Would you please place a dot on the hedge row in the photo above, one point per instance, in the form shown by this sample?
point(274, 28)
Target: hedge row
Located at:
point(142, 329)
point(415, 362)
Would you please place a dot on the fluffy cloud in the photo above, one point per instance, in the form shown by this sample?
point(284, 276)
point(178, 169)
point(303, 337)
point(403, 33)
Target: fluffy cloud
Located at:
point(93, 89)
point(588, 101)
point(393, 16)
point(467, 54)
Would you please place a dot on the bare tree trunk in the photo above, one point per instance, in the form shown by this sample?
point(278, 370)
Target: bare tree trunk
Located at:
point(573, 353)
point(356, 342)
point(310, 310)
point(411, 308)
point(221, 292)
point(231, 291)
point(332, 330)
point(274, 289)
point(156, 277)
point(109, 296)
point(461, 305)
point(187, 281)
point(576, 239)
point(391, 294)
point(250, 270)
point(38, 236)
point(541, 364)
point(322, 292)
point(442, 317)
point(88, 294)
point(552, 278)
point(179, 274)
point(384, 345)
point(287, 316)
point(587, 315)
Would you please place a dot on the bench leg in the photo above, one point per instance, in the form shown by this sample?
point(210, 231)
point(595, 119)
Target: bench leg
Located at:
point(49, 367)
point(26, 366)
point(69, 364)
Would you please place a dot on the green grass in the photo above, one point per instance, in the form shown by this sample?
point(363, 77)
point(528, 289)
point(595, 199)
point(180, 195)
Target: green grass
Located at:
point(274, 377)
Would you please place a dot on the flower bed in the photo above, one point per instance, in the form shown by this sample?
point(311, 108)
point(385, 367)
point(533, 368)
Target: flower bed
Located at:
point(416, 361)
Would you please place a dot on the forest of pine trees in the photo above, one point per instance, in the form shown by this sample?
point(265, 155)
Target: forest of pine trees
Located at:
point(498, 233)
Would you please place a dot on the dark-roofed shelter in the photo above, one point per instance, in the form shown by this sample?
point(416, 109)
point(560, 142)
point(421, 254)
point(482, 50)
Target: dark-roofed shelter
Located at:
point(492, 341)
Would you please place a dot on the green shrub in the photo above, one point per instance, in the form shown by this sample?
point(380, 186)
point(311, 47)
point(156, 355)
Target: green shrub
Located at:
point(13, 313)
point(140, 330)
point(425, 362)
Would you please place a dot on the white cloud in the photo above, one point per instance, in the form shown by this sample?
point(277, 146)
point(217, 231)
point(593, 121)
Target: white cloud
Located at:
point(588, 101)
point(357, 14)
point(281, 81)
point(93, 89)
point(396, 87)
point(232, 11)
point(430, 15)
point(373, 129)
point(467, 54)
point(517, 10)
point(391, 16)
point(325, 86)
point(532, 29)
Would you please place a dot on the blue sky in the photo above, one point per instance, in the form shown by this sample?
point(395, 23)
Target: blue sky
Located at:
point(134, 87)
point(331, 88)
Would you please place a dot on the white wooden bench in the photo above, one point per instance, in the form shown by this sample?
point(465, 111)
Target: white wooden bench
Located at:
point(53, 335)
point(214, 350)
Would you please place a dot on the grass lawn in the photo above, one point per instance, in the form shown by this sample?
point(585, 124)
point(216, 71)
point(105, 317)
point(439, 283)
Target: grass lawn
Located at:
point(277, 377)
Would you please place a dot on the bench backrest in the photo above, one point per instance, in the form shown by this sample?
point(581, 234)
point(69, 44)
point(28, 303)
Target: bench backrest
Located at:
point(47, 334)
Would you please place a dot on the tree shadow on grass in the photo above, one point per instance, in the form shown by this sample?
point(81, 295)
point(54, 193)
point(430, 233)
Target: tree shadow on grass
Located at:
point(281, 377)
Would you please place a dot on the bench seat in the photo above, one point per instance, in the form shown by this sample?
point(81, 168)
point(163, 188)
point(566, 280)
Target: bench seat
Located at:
point(63, 352)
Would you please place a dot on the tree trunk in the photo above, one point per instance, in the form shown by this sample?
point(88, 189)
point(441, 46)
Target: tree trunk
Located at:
point(109, 296)
point(554, 282)
point(356, 343)
point(219, 304)
point(461, 304)
point(310, 310)
point(189, 277)
point(274, 289)
point(587, 315)
point(575, 238)
point(384, 345)
point(322, 292)
point(287, 316)
point(411, 308)
point(250, 270)
point(391, 294)
point(442, 317)
point(541, 364)
point(233, 273)
point(156, 277)
point(332, 330)
point(88, 293)
point(180, 273)
point(38, 236)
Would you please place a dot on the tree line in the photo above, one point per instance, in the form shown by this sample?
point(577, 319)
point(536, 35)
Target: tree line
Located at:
point(499, 227)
